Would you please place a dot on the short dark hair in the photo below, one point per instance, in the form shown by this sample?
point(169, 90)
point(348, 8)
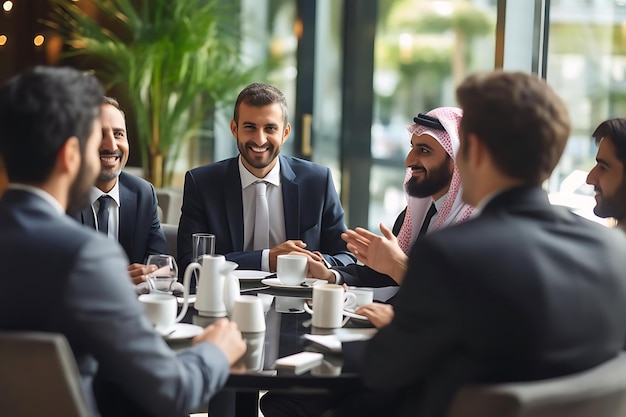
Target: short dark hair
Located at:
point(520, 119)
point(259, 95)
point(615, 130)
point(40, 110)
point(113, 102)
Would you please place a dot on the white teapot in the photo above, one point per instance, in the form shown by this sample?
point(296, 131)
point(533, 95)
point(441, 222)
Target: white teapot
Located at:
point(217, 287)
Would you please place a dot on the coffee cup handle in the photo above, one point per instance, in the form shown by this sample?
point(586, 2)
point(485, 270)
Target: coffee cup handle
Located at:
point(307, 308)
point(349, 301)
point(186, 282)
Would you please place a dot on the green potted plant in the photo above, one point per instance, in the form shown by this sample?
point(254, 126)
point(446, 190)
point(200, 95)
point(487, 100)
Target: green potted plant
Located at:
point(173, 60)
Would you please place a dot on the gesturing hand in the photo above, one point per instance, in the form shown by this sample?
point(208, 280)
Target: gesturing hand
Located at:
point(381, 253)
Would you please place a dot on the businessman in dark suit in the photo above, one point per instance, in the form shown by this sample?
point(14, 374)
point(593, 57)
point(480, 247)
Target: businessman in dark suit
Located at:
point(525, 290)
point(132, 216)
point(76, 279)
point(302, 213)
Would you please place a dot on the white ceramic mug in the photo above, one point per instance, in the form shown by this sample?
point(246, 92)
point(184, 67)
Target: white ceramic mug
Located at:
point(329, 302)
point(362, 296)
point(291, 269)
point(161, 310)
point(248, 314)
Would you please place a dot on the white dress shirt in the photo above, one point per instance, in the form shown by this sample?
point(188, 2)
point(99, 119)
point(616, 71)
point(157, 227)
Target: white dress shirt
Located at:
point(275, 205)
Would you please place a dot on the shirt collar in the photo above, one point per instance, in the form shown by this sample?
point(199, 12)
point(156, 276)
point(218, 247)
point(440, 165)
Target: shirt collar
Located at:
point(247, 178)
point(96, 193)
point(439, 202)
point(40, 193)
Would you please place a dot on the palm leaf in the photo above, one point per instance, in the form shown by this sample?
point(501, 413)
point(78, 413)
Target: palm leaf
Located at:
point(174, 60)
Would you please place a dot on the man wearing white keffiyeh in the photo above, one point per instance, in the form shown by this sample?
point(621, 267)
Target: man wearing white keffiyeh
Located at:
point(432, 179)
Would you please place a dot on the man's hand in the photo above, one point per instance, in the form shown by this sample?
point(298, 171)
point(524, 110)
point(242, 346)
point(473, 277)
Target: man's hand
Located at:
point(379, 314)
point(285, 248)
point(317, 266)
point(225, 335)
point(381, 253)
point(138, 272)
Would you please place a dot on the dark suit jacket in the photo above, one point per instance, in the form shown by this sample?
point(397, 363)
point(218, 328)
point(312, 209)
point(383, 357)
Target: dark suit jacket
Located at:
point(212, 203)
point(364, 276)
point(77, 285)
point(525, 291)
point(140, 232)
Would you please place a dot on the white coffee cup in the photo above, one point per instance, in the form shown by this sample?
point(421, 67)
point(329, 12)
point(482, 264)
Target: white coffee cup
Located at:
point(248, 314)
point(291, 269)
point(362, 295)
point(329, 302)
point(161, 310)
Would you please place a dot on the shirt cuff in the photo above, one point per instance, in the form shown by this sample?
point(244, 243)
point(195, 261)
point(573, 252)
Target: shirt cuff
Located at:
point(265, 260)
point(338, 279)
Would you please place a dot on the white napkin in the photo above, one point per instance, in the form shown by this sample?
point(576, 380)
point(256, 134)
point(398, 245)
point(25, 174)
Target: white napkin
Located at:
point(333, 341)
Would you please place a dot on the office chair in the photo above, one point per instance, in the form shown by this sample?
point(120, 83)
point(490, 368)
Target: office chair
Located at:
point(597, 392)
point(39, 376)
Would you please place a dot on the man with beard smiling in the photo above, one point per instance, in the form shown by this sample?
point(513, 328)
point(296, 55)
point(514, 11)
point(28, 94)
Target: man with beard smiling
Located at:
point(132, 217)
point(75, 278)
point(433, 191)
point(305, 214)
point(607, 177)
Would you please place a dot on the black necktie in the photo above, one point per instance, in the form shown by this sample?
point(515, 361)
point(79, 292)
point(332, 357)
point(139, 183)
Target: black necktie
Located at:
point(431, 212)
point(103, 214)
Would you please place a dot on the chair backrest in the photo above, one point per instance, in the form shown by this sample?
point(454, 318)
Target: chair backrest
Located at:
point(597, 392)
point(171, 235)
point(39, 376)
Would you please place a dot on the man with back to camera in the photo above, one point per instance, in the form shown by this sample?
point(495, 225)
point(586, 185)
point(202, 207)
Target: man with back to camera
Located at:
point(302, 209)
point(77, 280)
point(131, 207)
point(607, 176)
point(524, 290)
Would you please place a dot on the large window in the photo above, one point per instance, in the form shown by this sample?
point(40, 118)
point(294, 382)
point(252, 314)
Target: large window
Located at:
point(424, 48)
point(586, 64)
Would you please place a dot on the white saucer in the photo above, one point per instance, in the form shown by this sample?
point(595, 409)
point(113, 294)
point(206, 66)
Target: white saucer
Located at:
point(250, 275)
point(275, 283)
point(352, 315)
point(184, 331)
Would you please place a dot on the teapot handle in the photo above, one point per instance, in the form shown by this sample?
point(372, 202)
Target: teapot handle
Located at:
point(194, 266)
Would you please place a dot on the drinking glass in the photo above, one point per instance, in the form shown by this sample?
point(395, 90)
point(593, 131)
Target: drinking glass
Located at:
point(161, 280)
point(202, 244)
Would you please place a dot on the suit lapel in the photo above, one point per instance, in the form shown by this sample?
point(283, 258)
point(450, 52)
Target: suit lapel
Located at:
point(86, 217)
point(128, 202)
point(291, 199)
point(233, 202)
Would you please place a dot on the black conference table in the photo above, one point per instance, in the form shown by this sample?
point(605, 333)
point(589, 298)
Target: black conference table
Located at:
point(286, 324)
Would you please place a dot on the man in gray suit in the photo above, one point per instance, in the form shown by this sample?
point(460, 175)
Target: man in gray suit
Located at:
point(76, 279)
